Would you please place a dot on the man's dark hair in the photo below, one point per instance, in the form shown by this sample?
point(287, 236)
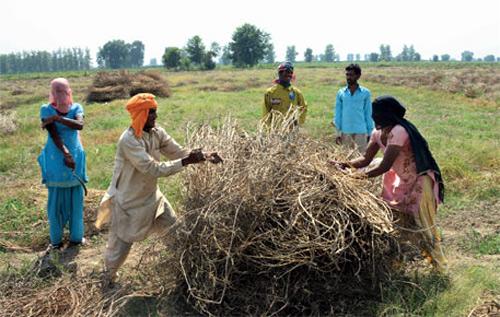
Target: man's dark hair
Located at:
point(355, 68)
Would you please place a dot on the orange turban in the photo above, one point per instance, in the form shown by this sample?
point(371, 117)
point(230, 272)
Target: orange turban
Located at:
point(138, 106)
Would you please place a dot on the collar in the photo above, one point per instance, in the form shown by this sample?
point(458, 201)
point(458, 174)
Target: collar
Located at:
point(357, 88)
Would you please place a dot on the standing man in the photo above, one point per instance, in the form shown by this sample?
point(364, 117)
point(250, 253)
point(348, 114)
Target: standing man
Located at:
point(133, 200)
point(353, 111)
point(284, 97)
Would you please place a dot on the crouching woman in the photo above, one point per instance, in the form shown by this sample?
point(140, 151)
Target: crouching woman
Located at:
point(412, 182)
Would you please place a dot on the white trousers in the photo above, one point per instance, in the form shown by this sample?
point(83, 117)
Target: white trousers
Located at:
point(117, 250)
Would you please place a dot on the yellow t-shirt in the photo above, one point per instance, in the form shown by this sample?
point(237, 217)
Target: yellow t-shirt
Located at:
point(279, 98)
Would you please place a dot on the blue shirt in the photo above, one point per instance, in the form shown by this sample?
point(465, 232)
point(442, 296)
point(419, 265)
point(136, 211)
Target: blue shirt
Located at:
point(353, 113)
point(54, 172)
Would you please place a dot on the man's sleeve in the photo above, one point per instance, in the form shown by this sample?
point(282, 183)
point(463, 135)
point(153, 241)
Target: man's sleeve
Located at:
point(266, 107)
point(170, 148)
point(368, 114)
point(338, 114)
point(145, 163)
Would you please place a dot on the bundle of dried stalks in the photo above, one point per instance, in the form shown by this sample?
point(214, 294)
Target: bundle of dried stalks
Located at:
point(108, 86)
point(53, 287)
point(67, 296)
point(151, 82)
point(276, 229)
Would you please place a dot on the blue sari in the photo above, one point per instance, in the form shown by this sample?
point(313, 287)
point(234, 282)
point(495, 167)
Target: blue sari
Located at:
point(65, 202)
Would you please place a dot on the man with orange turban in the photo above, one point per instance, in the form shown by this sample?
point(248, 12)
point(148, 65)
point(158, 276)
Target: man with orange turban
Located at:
point(133, 201)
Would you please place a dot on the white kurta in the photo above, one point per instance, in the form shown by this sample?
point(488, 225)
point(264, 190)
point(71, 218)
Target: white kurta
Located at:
point(133, 199)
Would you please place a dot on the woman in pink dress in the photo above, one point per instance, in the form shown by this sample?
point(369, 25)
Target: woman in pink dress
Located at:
point(412, 182)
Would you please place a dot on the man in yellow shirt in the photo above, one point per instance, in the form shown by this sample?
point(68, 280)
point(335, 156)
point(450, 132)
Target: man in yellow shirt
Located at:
point(284, 97)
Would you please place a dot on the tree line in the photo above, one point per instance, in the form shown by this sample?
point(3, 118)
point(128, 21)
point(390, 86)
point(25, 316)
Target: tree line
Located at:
point(248, 47)
point(43, 61)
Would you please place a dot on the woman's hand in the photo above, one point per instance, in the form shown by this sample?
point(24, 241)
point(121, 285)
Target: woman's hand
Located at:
point(50, 120)
point(68, 160)
point(339, 165)
point(338, 140)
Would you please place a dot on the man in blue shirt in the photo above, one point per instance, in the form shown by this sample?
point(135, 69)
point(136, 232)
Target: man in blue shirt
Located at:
point(353, 111)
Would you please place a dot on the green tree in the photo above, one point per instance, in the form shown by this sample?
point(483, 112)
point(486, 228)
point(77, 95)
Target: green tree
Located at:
point(385, 53)
point(215, 48)
point(291, 53)
point(113, 54)
point(435, 58)
point(195, 49)
point(172, 58)
point(87, 60)
point(408, 55)
point(308, 55)
point(329, 55)
point(445, 57)
point(373, 57)
point(404, 56)
point(350, 57)
point(136, 54)
point(467, 56)
point(208, 62)
point(489, 58)
point(249, 45)
point(270, 55)
point(185, 62)
point(3, 64)
point(225, 58)
point(411, 53)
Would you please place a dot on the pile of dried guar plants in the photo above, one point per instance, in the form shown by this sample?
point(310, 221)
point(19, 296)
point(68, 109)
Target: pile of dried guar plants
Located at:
point(275, 228)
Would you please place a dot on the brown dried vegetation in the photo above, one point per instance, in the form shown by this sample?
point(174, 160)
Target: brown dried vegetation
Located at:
point(275, 229)
point(108, 86)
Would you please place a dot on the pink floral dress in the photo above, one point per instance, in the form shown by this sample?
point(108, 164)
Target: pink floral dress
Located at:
point(402, 186)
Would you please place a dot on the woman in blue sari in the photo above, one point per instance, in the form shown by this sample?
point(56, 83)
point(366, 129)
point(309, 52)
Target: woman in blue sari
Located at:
point(63, 163)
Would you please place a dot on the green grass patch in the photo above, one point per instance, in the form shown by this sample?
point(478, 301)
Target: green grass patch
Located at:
point(412, 296)
point(22, 222)
point(478, 244)
point(437, 295)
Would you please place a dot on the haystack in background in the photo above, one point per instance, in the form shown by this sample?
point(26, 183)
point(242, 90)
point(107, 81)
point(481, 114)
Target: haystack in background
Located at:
point(108, 86)
point(275, 229)
point(149, 81)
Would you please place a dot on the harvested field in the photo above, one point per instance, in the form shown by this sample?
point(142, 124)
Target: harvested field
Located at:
point(462, 132)
point(471, 83)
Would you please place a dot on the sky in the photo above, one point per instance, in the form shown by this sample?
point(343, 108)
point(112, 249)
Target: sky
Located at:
point(361, 26)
